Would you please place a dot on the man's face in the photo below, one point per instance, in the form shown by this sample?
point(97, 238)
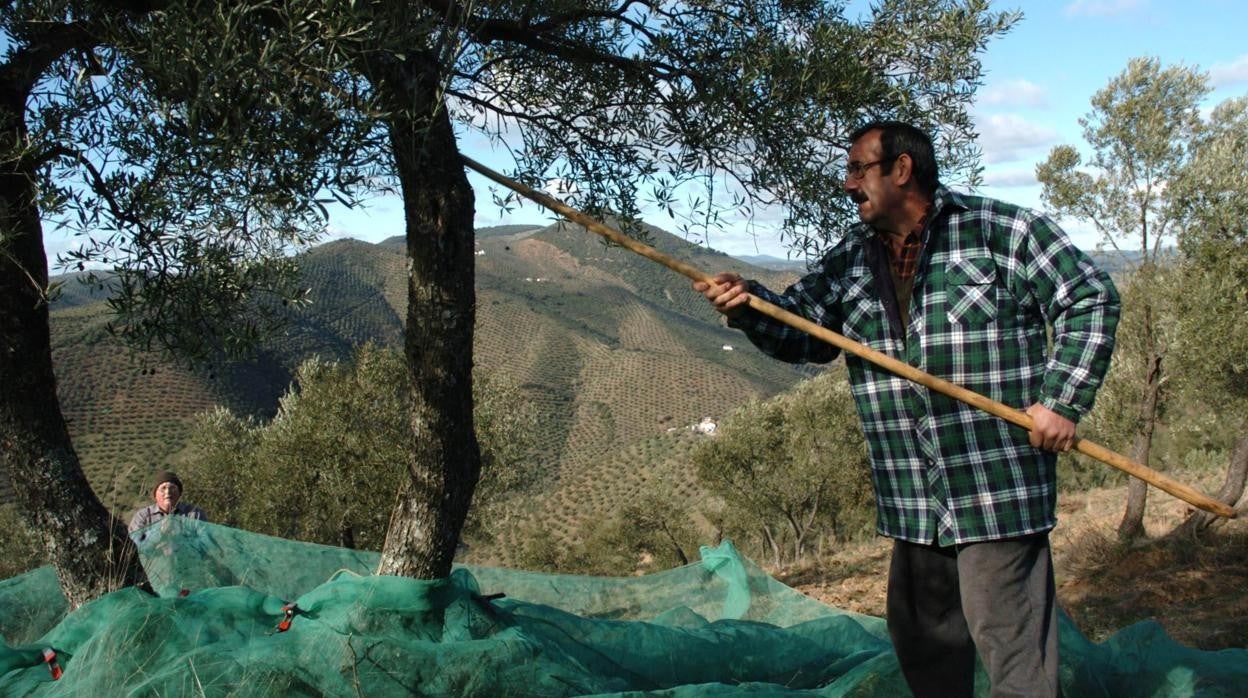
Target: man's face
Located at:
point(875, 192)
point(167, 495)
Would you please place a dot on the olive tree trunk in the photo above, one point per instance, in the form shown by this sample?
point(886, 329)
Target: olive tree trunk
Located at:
point(444, 460)
point(1230, 494)
point(90, 550)
point(1132, 525)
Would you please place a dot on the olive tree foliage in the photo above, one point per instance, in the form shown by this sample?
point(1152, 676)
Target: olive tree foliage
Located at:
point(188, 165)
point(792, 472)
point(712, 109)
point(1139, 131)
point(326, 467)
point(105, 134)
point(1212, 302)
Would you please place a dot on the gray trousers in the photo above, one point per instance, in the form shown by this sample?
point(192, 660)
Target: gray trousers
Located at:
point(997, 597)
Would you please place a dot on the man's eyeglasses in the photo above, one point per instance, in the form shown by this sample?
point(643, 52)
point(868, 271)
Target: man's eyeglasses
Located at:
point(858, 170)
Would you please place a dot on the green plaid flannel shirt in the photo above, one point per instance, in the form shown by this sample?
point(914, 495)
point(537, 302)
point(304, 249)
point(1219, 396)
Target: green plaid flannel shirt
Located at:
point(990, 277)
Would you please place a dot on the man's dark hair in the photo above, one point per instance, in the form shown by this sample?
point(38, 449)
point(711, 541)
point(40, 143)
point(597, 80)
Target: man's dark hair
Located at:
point(897, 137)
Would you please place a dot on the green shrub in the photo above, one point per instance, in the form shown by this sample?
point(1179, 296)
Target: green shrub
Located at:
point(326, 468)
point(790, 471)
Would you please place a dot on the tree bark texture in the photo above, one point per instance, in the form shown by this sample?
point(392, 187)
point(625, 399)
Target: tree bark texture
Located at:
point(776, 557)
point(799, 534)
point(671, 539)
point(444, 462)
point(89, 548)
point(1132, 525)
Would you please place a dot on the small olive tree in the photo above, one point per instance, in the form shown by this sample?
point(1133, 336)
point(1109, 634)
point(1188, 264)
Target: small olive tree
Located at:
point(652, 532)
point(1117, 420)
point(1139, 129)
point(1211, 301)
point(792, 470)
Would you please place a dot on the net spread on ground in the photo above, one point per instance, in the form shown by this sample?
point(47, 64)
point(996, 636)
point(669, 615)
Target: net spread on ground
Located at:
point(237, 613)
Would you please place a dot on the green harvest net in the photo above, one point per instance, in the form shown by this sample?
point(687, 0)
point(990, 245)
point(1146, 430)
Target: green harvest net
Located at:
point(719, 627)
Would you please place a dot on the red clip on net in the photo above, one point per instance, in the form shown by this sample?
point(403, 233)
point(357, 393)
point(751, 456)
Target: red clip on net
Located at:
point(290, 610)
point(49, 658)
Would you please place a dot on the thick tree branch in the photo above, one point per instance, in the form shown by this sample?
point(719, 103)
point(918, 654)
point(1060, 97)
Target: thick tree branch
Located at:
point(562, 19)
point(52, 40)
point(32, 60)
point(485, 31)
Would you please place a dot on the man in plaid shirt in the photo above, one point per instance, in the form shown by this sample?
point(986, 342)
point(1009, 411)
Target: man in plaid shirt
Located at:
point(961, 287)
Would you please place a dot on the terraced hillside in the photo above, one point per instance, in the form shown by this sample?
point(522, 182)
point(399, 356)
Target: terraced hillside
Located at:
point(129, 411)
point(593, 490)
point(610, 348)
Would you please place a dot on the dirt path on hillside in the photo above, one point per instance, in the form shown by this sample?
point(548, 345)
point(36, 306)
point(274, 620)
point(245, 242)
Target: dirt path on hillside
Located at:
point(1194, 589)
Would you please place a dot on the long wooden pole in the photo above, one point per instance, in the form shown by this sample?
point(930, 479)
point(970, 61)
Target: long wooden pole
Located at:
point(1009, 414)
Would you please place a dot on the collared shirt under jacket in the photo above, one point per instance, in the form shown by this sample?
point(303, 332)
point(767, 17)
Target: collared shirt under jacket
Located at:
point(991, 275)
point(151, 513)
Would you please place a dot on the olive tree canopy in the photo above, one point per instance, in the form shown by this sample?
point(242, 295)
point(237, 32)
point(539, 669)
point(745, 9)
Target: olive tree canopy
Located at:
point(220, 124)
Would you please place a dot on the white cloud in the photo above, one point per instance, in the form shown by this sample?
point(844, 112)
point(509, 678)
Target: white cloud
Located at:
point(1085, 235)
point(1010, 137)
point(1014, 93)
point(1009, 178)
point(1224, 74)
point(1102, 8)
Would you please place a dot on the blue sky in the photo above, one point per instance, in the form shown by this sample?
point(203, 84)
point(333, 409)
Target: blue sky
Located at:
point(1039, 80)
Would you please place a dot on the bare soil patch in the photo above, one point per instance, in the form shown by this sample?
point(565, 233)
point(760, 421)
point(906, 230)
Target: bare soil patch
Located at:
point(1197, 589)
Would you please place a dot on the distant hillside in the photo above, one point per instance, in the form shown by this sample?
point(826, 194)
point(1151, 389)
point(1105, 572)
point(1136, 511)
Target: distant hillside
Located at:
point(797, 266)
point(494, 231)
point(80, 288)
point(499, 231)
point(609, 347)
point(1115, 262)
